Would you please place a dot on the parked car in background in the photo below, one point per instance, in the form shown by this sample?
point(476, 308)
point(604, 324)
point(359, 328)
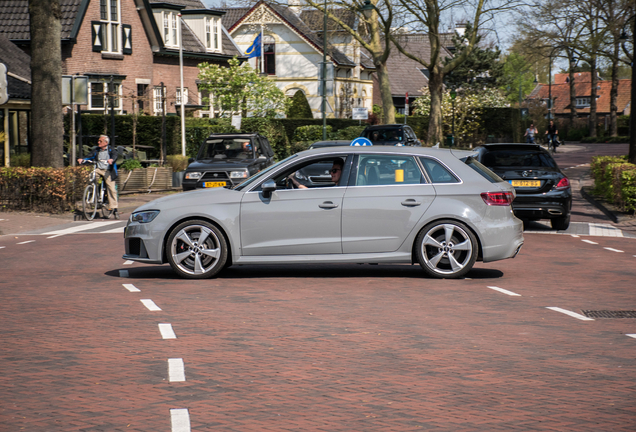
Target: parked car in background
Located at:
point(387, 205)
point(227, 159)
point(543, 191)
point(393, 134)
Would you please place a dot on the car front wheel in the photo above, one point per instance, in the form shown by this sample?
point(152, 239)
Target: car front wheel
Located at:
point(196, 249)
point(446, 249)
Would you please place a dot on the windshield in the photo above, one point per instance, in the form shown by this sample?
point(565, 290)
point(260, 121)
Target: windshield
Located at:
point(261, 174)
point(517, 158)
point(227, 148)
point(379, 135)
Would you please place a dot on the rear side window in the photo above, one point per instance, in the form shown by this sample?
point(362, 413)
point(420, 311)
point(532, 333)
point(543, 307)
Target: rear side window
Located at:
point(482, 170)
point(438, 172)
point(517, 158)
point(375, 170)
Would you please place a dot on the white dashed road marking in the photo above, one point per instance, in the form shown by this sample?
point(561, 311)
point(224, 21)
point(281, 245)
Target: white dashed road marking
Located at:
point(79, 228)
point(180, 419)
point(589, 241)
point(166, 331)
point(510, 293)
point(115, 230)
point(631, 335)
point(570, 313)
point(28, 241)
point(129, 262)
point(613, 250)
point(176, 370)
point(150, 305)
point(131, 288)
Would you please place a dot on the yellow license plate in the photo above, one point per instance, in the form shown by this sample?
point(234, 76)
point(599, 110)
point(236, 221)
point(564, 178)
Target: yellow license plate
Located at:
point(525, 183)
point(213, 184)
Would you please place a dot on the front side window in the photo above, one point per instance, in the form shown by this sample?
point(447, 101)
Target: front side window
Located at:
point(110, 25)
point(376, 170)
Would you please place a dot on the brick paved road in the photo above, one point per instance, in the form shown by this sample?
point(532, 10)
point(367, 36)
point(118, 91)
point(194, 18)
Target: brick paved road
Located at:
point(333, 348)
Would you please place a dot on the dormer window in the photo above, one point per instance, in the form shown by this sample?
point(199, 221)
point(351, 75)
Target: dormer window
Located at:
point(212, 34)
point(170, 34)
point(582, 102)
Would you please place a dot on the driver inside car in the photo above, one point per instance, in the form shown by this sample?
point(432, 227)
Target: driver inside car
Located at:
point(335, 172)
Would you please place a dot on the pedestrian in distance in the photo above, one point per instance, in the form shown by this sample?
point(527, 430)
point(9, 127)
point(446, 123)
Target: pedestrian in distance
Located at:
point(106, 167)
point(530, 133)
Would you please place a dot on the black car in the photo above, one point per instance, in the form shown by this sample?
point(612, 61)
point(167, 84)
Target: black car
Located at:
point(392, 134)
point(228, 159)
point(543, 191)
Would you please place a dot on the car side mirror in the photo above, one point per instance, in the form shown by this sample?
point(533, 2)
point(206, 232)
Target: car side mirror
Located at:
point(268, 187)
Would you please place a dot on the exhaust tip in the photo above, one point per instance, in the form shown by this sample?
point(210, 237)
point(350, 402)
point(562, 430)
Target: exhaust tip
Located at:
point(555, 212)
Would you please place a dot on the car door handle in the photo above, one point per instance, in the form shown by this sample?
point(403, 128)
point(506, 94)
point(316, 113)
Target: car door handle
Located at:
point(411, 203)
point(328, 205)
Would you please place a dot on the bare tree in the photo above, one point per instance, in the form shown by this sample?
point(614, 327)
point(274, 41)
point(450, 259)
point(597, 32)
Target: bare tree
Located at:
point(46, 73)
point(428, 16)
point(372, 36)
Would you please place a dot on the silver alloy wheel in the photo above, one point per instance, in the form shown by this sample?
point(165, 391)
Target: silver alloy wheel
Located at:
point(446, 249)
point(197, 250)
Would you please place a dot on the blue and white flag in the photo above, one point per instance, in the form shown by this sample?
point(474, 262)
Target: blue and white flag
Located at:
point(255, 49)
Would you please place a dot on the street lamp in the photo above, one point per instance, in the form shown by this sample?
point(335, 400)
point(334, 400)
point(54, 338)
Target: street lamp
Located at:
point(367, 9)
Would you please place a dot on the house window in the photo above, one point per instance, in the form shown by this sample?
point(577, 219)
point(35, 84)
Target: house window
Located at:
point(141, 95)
point(185, 92)
point(110, 25)
point(583, 102)
point(217, 44)
point(170, 29)
point(158, 100)
point(269, 55)
point(208, 34)
point(100, 96)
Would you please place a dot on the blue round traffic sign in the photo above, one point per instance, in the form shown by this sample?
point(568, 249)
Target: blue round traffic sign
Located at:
point(360, 141)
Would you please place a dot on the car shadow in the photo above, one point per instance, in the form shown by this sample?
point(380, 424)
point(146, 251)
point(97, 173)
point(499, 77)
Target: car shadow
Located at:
point(316, 271)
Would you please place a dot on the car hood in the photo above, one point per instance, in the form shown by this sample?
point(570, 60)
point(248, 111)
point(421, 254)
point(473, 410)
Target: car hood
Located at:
point(219, 164)
point(186, 199)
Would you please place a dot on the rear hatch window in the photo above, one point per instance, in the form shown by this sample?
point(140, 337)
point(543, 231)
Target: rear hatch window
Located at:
point(482, 170)
point(517, 158)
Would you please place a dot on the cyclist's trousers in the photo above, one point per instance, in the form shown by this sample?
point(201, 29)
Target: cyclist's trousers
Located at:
point(110, 187)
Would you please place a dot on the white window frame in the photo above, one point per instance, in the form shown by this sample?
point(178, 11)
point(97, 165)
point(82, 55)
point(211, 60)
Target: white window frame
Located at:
point(157, 107)
point(208, 33)
point(178, 95)
point(111, 27)
point(583, 102)
point(217, 34)
point(170, 28)
point(106, 100)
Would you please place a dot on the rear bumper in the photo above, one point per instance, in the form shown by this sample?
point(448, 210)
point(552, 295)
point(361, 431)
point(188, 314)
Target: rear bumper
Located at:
point(543, 207)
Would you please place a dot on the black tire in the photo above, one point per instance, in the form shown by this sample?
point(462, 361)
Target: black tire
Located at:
point(89, 202)
point(191, 259)
point(446, 249)
point(560, 224)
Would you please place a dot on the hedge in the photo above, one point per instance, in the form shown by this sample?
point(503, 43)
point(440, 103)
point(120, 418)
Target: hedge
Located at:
point(615, 180)
point(52, 190)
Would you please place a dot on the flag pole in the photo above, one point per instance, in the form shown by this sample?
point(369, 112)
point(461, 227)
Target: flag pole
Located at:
point(262, 53)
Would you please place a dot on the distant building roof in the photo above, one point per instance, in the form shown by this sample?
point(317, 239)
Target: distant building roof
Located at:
point(18, 66)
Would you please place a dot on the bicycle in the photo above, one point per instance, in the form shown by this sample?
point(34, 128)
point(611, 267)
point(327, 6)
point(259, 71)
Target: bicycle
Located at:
point(95, 196)
point(553, 143)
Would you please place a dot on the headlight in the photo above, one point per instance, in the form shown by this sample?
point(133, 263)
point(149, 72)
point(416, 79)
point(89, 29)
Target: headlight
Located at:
point(238, 174)
point(193, 175)
point(144, 216)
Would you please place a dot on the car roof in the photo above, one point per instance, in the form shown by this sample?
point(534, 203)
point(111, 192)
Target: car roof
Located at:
point(233, 135)
point(511, 146)
point(381, 149)
point(386, 126)
point(330, 143)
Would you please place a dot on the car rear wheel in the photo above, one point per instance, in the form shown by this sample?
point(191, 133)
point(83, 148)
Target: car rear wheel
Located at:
point(197, 249)
point(560, 224)
point(446, 249)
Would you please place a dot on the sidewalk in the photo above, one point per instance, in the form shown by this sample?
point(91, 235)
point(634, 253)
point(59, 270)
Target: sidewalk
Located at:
point(17, 222)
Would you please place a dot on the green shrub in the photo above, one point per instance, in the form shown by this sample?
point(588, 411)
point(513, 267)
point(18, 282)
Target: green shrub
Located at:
point(299, 107)
point(177, 162)
point(350, 132)
point(628, 189)
point(310, 133)
point(21, 160)
point(130, 164)
point(575, 134)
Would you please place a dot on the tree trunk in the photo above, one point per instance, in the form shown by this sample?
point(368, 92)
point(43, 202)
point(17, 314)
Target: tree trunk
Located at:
point(435, 121)
point(573, 113)
point(388, 109)
point(594, 84)
point(614, 94)
point(632, 114)
point(46, 74)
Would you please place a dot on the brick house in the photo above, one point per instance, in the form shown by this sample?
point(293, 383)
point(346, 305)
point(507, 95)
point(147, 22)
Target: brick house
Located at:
point(134, 44)
point(293, 52)
point(582, 84)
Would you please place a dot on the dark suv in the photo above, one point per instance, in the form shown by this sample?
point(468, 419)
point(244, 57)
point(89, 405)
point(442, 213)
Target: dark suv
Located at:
point(228, 159)
point(393, 134)
point(543, 191)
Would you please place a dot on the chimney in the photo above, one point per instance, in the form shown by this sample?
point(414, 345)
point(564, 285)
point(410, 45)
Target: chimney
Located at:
point(460, 28)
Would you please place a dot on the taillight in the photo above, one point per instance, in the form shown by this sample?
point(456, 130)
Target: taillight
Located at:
point(498, 198)
point(563, 184)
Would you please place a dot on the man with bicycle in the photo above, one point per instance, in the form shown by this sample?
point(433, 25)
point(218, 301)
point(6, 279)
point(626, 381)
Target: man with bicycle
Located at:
point(105, 159)
point(552, 134)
